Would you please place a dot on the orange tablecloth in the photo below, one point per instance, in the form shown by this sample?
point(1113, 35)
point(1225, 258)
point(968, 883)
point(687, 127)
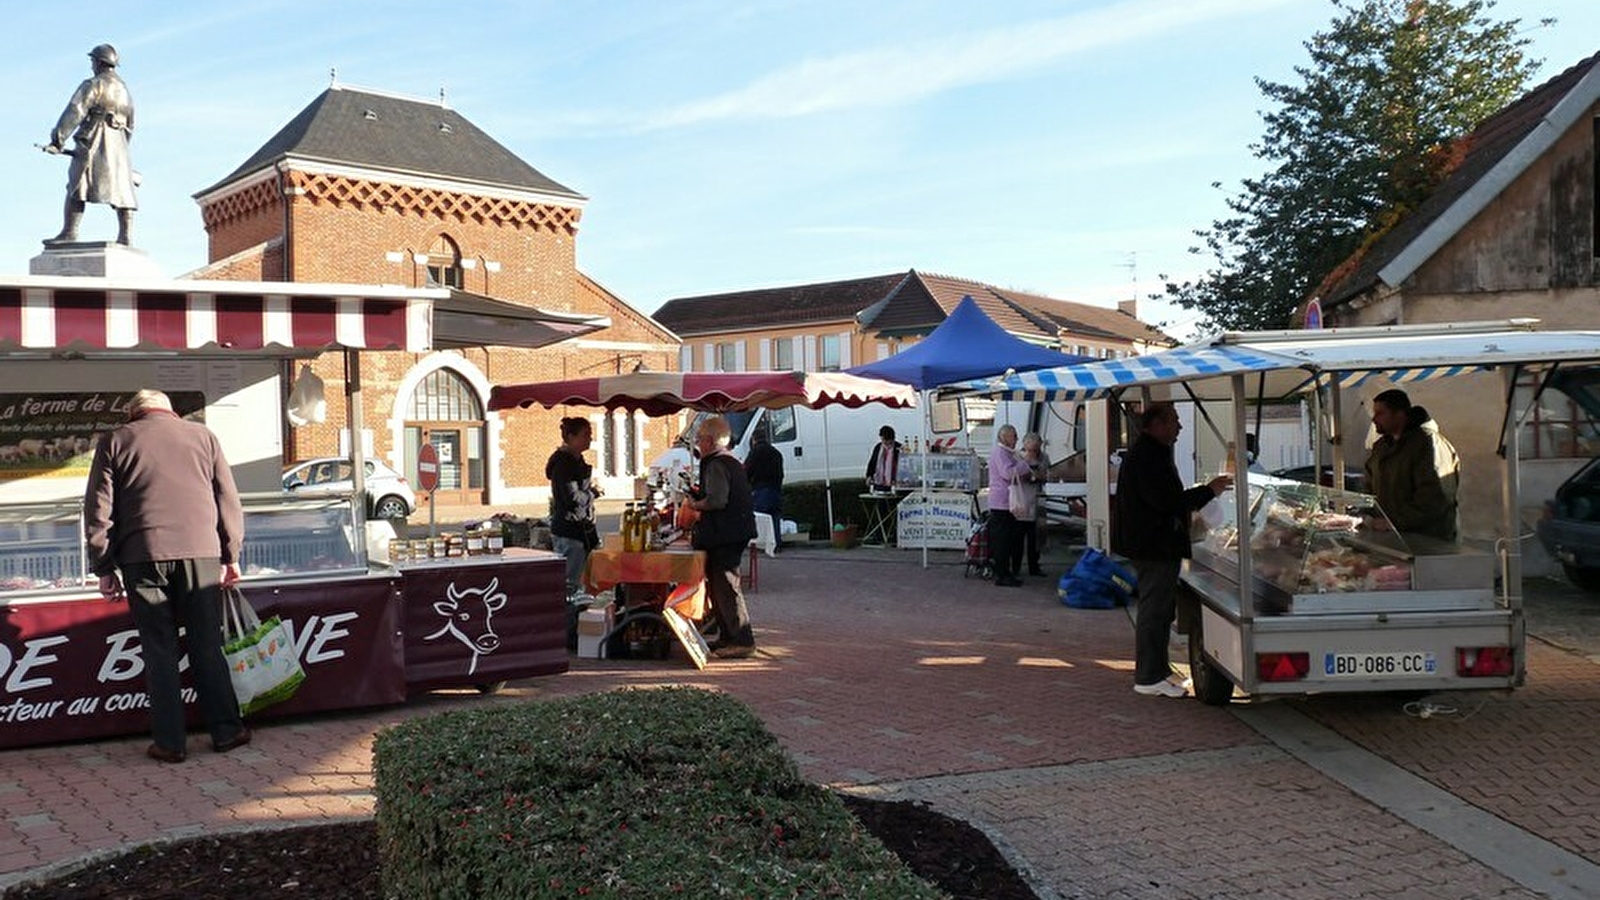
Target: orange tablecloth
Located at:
point(612, 567)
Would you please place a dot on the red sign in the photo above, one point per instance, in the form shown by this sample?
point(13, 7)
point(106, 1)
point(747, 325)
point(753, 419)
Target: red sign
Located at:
point(427, 468)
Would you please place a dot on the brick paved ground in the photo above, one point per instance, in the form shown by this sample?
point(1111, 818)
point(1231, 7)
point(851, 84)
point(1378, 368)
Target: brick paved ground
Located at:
point(998, 705)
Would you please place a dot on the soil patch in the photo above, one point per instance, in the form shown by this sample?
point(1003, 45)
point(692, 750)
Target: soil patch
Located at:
point(341, 860)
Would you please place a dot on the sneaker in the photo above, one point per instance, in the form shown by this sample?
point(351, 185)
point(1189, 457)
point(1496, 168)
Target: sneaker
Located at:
point(1160, 689)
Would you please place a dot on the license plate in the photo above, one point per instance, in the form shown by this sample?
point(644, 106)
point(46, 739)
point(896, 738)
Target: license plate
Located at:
point(1395, 664)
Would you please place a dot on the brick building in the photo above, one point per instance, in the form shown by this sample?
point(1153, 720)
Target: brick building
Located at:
point(369, 188)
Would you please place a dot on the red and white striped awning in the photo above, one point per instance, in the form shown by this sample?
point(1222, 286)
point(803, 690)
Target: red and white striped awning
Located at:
point(99, 314)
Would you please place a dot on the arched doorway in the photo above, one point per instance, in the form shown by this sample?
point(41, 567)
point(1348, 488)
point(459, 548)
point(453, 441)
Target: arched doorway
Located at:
point(446, 412)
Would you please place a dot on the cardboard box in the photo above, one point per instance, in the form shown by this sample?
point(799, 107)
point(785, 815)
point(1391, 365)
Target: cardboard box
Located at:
point(594, 621)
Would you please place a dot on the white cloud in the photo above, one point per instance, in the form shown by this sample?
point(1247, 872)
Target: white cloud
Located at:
point(908, 72)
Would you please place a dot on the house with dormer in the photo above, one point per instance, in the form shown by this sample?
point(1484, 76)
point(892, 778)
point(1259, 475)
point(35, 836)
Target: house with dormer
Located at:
point(1511, 231)
point(833, 325)
point(367, 187)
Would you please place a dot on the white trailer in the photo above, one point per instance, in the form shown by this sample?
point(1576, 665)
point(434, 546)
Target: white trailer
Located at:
point(1439, 616)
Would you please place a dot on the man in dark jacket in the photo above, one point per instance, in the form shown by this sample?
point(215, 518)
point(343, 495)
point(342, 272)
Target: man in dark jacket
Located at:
point(161, 509)
point(1151, 529)
point(764, 468)
point(727, 523)
point(1412, 470)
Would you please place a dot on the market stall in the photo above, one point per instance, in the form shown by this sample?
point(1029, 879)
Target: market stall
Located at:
point(76, 349)
point(1304, 588)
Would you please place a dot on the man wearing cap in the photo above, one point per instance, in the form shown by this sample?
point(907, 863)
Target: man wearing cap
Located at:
point(99, 120)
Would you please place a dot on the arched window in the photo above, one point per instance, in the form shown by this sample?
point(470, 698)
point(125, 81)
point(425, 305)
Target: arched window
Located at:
point(444, 264)
point(447, 413)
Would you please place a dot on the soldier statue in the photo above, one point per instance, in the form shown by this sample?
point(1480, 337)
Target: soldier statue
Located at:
point(99, 119)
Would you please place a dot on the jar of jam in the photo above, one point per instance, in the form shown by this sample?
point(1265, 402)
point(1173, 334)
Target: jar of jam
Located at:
point(476, 542)
point(454, 544)
point(494, 539)
point(399, 551)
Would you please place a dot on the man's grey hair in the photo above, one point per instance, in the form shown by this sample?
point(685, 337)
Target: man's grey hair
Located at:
point(716, 428)
point(149, 398)
point(1006, 430)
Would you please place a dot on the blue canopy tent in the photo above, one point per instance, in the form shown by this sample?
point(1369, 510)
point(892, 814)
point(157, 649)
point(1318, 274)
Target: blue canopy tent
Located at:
point(967, 345)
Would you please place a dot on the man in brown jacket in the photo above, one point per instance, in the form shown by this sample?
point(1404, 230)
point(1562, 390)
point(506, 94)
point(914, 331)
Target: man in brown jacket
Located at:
point(161, 507)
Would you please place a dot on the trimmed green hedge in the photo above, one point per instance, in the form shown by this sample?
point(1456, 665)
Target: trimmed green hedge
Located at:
point(629, 794)
point(809, 503)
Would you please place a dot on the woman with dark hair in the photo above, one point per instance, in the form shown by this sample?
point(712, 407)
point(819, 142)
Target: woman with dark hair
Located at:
point(572, 496)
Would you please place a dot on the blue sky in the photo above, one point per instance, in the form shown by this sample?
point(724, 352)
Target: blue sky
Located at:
point(1066, 148)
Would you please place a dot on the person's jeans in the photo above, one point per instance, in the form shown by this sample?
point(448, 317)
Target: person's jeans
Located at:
point(1158, 603)
point(576, 553)
point(727, 601)
point(163, 596)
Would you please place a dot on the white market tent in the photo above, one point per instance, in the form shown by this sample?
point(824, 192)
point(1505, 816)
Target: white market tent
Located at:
point(1260, 366)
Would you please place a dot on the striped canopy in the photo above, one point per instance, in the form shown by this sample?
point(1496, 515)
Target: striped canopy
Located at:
point(90, 314)
point(661, 393)
point(1285, 363)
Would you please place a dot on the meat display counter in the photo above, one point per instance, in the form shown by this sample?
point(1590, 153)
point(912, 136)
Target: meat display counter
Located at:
point(1316, 549)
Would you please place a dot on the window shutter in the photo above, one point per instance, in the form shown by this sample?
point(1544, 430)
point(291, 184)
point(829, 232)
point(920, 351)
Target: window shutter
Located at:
point(809, 354)
point(711, 357)
point(686, 358)
point(766, 353)
point(844, 350)
point(738, 357)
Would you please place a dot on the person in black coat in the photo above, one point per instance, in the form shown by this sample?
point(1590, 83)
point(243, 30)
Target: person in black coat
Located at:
point(727, 523)
point(1151, 529)
point(764, 468)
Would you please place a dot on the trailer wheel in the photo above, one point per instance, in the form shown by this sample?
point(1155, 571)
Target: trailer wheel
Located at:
point(1211, 684)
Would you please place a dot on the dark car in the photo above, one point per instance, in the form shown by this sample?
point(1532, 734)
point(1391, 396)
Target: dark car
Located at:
point(1570, 528)
point(1354, 479)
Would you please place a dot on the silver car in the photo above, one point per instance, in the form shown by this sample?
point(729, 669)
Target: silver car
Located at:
point(389, 496)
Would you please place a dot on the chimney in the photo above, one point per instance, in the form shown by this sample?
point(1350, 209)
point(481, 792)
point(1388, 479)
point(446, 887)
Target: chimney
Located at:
point(1131, 307)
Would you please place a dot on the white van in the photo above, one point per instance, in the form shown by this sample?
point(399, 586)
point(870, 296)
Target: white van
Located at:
point(817, 444)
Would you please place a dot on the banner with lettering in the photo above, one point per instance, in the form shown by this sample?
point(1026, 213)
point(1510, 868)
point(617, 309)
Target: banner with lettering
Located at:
point(53, 433)
point(70, 669)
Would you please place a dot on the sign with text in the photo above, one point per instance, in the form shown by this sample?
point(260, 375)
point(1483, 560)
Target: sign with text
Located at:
point(941, 523)
point(54, 433)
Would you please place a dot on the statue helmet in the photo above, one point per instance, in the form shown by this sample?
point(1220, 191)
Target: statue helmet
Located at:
point(104, 53)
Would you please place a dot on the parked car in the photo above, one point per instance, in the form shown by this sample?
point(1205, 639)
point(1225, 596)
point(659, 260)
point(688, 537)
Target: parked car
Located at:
point(389, 496)
point(1570, 527)
point(1354, 479)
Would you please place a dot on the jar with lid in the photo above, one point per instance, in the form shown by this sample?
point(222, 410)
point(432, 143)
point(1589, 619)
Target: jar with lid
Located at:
point(399, 551)
point(475, 540)
point(437, 546)
point(421, 548)
point(454, 544)
point(494, 539)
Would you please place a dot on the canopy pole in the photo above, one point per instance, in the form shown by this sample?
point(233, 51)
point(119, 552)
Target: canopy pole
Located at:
point(355, 417)
point(926, 511)
point(827, 473)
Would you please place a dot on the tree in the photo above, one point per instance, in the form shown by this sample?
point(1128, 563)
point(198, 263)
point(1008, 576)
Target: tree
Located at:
point(1359, 143)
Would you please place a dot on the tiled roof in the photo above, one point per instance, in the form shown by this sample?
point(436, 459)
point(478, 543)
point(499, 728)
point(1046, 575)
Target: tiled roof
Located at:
point(395, 134)
point(829, 301)
point(904, 303)
point(1478, 152)
point(925, 299)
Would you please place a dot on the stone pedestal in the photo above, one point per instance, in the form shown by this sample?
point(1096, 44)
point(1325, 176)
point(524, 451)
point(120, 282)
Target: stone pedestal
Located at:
point(102, 259)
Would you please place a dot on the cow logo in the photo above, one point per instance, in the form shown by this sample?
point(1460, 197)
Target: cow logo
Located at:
point(469, 618)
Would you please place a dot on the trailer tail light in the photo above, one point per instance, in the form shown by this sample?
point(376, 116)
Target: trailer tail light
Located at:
point(1483, 662)
point(1282, 666)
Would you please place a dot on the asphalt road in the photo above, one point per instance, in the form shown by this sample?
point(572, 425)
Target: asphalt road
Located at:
point(1561, 614)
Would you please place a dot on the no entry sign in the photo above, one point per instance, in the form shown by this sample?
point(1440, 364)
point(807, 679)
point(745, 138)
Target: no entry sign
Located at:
point(427, 468)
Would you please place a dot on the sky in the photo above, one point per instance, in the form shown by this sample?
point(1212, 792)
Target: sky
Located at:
point(1067, 148)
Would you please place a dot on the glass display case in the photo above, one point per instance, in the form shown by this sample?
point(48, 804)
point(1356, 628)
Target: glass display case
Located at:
point(42, 551)
point(946, 471)
point(41, 547)
point(284, 536)
point(1307, 540)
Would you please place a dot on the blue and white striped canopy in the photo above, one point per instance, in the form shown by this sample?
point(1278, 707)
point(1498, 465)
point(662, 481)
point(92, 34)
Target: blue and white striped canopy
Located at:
point(1282, 364)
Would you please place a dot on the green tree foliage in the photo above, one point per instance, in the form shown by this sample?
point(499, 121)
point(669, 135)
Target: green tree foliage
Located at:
point(1366, 135)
